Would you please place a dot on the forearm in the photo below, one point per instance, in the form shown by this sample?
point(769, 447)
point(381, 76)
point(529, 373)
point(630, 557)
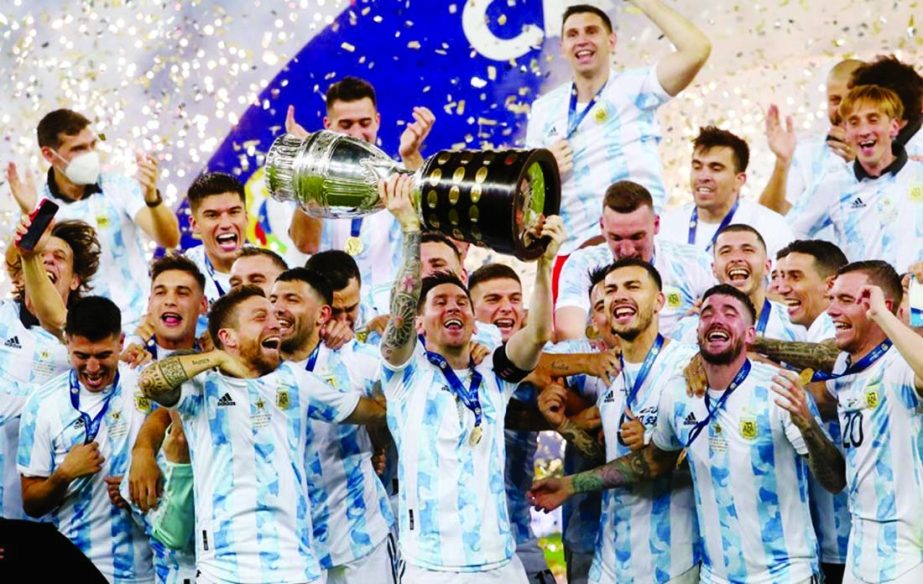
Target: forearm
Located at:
point(562, 364)
point(41, 495)
point(774, 195)
point(635, 467)
point(152, 432)
point(818, 356)
point(305, 232)
point(398, 340)
point(586, 444)
point(525, 347)
point(826, 462)
point(44, 300)
point(164, 226)
point(161, 380)
point(413, 160)
point(368, 412)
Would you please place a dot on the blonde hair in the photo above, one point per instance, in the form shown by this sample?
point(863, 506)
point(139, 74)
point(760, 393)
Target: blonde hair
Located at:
point(881, 97)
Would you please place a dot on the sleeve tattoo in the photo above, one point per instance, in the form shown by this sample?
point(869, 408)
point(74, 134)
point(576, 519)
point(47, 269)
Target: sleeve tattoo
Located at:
point(818, 356)
point(826, 462)
point(635, 467)
point(584, 442)
point(405, 294)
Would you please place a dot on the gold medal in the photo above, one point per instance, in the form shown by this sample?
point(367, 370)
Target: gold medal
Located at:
point(805, 376)
point(476, 436)
point(354, 246)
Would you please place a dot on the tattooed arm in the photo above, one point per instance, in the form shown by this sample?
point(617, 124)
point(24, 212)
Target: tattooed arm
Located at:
point(552, 403)
point(399, 339)
point(641, 465)
point(161, 380)
point(818, 356)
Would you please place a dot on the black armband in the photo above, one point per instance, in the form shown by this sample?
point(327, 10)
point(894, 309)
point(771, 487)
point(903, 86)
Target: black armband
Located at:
point(505, 369)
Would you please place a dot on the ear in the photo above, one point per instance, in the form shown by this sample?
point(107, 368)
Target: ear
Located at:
point(714, 271)
point(750, 335)
point(228, 338)
point(740, 179)
point(47, 154)
point(121, 342)
point(659, 302)
point(75, 283)
point(377, 119)
point(828, 281)
point(768, 267)
point(324, 315)
point(203, 305)
point(613, 39)
point(327, 123)
point(418, 324)
point(194, 225)
point(656, 224)
point(895, 128)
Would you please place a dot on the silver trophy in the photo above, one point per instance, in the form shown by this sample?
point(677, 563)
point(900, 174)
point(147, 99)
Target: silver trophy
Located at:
point(491, 198)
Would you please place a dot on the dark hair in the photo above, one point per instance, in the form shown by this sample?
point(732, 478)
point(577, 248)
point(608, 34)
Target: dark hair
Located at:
point(439, 237)
point(94, 318)
point(828, 258)
point(713, 137)
point(489, 272)
point(82, 239)
point(224, 309)
point(626, 197)
point(250, 251)
point(312, 278)
point(881, 274)
point(739, 228)
point(178, 263)
point(728, 290)
point(636, 263)
point(596, 276)
point(337, 266)
point(350, 89)
point(438, 279)
point(60, 121)
point(583, 8)
point(213, 183)
point(901, 78)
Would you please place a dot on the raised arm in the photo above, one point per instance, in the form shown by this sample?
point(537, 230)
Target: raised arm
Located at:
point(905, 339)
point(641, 465)
point(156, 218)
point(399, 339)
point(679, 68)
point(782, 141)
point(161, 380)
point(42, 299)
point(525, 347)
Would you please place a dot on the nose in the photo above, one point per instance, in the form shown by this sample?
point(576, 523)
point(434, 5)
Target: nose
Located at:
point(93, 365)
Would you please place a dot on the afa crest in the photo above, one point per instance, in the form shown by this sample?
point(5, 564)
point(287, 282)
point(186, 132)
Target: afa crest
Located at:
point(142, 403)
point(871, 399)
point(916, 193)
point(749, 428)
point(282, 400)
point(673, 296)
point(601, 115)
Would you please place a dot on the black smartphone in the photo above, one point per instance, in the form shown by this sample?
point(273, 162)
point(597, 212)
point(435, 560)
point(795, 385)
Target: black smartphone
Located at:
point(41, 217)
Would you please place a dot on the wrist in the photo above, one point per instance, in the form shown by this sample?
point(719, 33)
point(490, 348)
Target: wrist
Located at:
point(153, 198)
point(61, 476)
point(410, 227)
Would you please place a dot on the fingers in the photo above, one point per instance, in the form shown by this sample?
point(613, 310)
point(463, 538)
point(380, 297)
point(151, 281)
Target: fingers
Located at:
point(290, 119)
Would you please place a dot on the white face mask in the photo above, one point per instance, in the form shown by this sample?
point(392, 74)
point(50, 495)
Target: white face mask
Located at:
point(82, 169)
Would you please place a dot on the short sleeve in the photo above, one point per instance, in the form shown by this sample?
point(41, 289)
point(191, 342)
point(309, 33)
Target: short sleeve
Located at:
point(905, 383)
point(396, 380)
point(792, 433)
point(574, 283)
point(664, 435)
point(686, 330)
point(191, 397)
point(651, 94)
point(324, 402)
point(34, 455)
point(811, 212)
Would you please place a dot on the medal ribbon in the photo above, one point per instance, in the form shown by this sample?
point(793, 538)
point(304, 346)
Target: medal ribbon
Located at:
point(573, 118)
point(857, 367)
point(764, 317)
point(355, 226)
point(312, 359)
point(467, 395)
point(211, 274)
point(90, 425)
point(649, 359)
point(694, 225)
point(738, 379)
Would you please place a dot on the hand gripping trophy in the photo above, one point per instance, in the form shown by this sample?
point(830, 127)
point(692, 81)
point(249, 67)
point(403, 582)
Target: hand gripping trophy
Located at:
point(494, 199)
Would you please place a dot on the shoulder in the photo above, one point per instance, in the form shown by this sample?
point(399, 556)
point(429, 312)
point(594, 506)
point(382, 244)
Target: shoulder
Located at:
point(591, 256)
point(761, 374)
point(555, 95)
point(760, 213)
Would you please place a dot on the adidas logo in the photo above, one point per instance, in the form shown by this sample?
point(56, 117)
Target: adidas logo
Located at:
point(610, 397)
point(690, 420)
point(226, 400)
point(13, 343)
point(858, 203)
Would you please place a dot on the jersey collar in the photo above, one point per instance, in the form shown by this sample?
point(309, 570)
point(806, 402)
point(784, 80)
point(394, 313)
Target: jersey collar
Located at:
point(900, 159)
point(56, 193)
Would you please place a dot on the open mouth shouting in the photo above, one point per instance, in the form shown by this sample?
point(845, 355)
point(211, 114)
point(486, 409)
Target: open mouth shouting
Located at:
point(505, 324)
point(272, 342)
point(717, 338)
point(738, 275)
point(623, 313)
point(453, 324)
point(171, 319)
point(228, 241)
point(96, 380)
point(866, 147)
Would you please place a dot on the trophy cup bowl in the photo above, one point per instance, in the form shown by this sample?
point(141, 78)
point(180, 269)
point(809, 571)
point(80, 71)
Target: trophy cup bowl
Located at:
point(489, 198)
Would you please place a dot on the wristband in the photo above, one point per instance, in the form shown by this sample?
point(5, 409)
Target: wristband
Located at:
point(156, 202)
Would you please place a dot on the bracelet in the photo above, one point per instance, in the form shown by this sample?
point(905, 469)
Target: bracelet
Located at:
point(155, 202)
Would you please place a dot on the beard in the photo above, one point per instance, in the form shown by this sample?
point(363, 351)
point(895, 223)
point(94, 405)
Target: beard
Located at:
point(724, 357)
point(252, 354)
point(630, 334)
point(297, 340)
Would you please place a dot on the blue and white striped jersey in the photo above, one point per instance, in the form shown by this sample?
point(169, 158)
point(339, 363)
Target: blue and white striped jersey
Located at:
point(871, 218)
point(750, 481)
point(29, 356)
point(50, 428)
point(217, 283)
point(247, 442)
point(647, 532)
point(779, 326)
point(122, 275)
point(686, 273)
point(617, 140)
point(453, 513)
point(880, 420)
point(349, 506)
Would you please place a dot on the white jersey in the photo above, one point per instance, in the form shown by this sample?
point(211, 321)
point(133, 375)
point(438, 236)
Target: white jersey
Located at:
point(123, 263)
point(880, 417)
point(453, 513)
point(29, 356)
point(778, 326)
point(878, 218)
point(617, 140)
point(648, 532)
point(217, 284)
point(51, 427)
point(675, 226)
point(247, 444)
point(379, 259)
point(349, 506)
point(750, 481)
point(685, 271)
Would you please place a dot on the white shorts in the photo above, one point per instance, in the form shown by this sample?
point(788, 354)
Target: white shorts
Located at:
point(912, 576)
point(512, 573)
point(379, 566)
